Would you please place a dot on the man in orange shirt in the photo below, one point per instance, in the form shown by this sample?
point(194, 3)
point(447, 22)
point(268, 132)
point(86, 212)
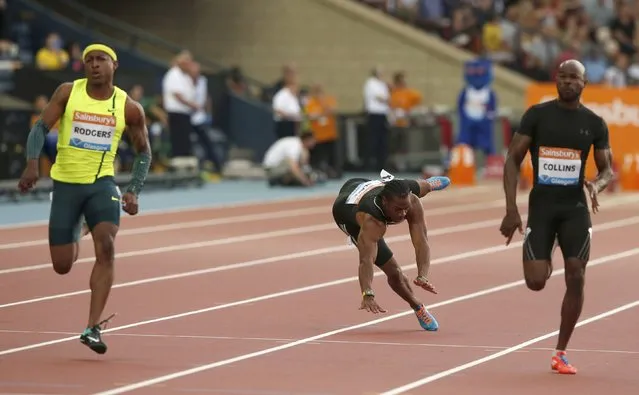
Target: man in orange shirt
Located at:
point(320, 111)
point(403, 101)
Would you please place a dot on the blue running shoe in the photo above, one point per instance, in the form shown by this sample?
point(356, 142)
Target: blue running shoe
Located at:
point(426, 319)
point(437, 183)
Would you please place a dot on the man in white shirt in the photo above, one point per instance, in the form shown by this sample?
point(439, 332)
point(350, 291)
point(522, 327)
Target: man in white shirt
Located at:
point(287, 109)
point(202, 119)
point(376, 103)
point(179, 99)
point(286, 161)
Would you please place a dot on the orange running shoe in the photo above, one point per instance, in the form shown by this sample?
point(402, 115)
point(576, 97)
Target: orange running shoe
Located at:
point(561, 365)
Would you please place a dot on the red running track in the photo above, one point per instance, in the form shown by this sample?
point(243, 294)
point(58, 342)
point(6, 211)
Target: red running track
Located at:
point(268, 305)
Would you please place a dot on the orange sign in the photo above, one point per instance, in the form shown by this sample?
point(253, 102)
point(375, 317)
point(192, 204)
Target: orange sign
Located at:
point(618, 107)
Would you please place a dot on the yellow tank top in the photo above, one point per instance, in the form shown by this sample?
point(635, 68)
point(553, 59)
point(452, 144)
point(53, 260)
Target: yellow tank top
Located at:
point(88, 137)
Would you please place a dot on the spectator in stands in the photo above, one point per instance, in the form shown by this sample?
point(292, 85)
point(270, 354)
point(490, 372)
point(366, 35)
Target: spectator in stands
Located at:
point(596, 65)
point(202, 121)
point(320, 111)
point(178, 97)
point(403, 101)
point(376, 100)
point(623, 28)
point(9, 62)
point(286, 106)
point(600, 12)
point(286, 162)
point(497, 46)
point(616, 75)
point(52, 56)
point(235, 84)
point(158, 125)
point(76, 64)
point(287, 70)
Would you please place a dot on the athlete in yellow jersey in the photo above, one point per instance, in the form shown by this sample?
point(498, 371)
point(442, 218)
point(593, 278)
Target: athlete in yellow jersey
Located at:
point(93, 114)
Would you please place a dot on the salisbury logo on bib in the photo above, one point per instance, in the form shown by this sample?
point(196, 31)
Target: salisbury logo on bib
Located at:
point(559, 166)
point(92, 131)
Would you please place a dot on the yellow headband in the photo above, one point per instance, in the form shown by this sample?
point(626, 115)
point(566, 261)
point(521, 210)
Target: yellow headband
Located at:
point(100, 47)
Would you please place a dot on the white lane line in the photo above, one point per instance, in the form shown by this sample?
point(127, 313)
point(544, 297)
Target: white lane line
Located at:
point(261, 261)
point(345, 342)
point(189, 225)
point(244, 238)
point(460, 368)
point(454, 192)
point(474, 295)
point(452, 258)
point(452, 209)
point(181, 247)
point(305, 254)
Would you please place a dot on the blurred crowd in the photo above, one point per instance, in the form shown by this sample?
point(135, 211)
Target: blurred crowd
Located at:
point(534, 36)
point(529, 36)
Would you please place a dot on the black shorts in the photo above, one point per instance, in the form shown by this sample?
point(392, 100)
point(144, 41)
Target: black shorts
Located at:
point(566, 225)
point(344, 216)
point(98, 202)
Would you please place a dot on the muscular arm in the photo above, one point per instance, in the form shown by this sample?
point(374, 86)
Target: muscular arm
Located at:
point(603, 159)
point(516, 153)
point(419, 236)
point(50, 115)
point(139, 136)
point(370, 233)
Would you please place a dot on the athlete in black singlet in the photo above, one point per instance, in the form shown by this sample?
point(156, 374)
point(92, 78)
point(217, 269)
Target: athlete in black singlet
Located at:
point(559, 134)
point(363, 210)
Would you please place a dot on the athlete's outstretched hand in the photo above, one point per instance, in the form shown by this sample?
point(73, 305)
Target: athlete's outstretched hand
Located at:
point(424, 283)
point(509, 224)
point(592, 191)
point(369, 304)
point(130, 203)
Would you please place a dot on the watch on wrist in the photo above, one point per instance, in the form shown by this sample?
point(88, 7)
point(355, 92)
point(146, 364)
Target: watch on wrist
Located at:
point(368, 292)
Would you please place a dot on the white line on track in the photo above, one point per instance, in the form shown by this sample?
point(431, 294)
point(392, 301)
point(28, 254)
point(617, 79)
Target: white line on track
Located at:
point(346, 342)
point(471, 296)
point(305, 254)
point(257, 236)
point(273, 259)
point(452, 209)
point(452, 258)
point(451, 192)
point(265, 235)
point(460, 368)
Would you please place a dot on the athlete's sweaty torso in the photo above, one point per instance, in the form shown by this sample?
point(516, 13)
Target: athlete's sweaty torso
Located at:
point(88, 137)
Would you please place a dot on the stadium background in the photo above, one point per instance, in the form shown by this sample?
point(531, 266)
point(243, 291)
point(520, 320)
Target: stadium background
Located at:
point(335, 43)
point(225, 285)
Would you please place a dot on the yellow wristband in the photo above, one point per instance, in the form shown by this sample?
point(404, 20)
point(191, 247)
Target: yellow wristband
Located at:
point(368, 292)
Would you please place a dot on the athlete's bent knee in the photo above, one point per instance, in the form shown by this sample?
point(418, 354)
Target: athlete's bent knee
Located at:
point(536, 273)
point(63, 257)
point(575, 274)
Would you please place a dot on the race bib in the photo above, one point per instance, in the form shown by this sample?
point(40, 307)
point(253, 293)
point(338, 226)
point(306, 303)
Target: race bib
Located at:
point(92, 131)
point(362, 189)
point(558, 166)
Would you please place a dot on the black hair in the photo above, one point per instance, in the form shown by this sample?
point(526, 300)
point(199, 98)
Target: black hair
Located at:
point(306, 134)
point(395, 189)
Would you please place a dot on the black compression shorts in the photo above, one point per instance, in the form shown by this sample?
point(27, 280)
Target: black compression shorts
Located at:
point(567, 225)
point(344, 216)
